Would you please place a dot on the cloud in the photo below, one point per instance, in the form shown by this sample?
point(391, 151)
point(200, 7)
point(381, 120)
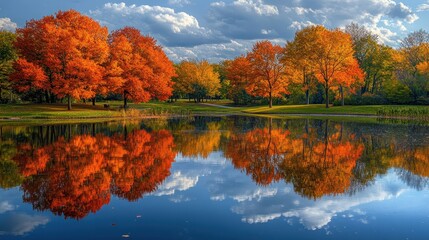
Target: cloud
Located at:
point(5, 206)
point(178, 182)
point(19, 224)
point(214, 34)
point(180, 3)
point(256, 6)
point(7, 24)
point(423, 7)
point(314, 214)
point(402, 11)
point(215, 52)
point(241, 20)
point(169, 27)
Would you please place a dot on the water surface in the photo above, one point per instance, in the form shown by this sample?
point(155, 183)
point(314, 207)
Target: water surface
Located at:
point(215, 178)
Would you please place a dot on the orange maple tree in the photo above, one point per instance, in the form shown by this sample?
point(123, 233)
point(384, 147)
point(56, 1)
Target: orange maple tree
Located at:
point(269, 77)
point(139, 67)
point(333, 59)
point(239, 73)
point(70, 48)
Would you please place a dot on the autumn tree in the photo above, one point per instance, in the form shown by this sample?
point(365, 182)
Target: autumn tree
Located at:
point(268, 72)
point(138, 67)
point(333, 58)
point(411, 61)
point(298, 55)
point(70, 48)
point(197, 79)
point(239, 74)
point(7, 57)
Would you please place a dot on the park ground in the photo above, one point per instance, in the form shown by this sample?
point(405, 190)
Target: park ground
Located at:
point(155, 109)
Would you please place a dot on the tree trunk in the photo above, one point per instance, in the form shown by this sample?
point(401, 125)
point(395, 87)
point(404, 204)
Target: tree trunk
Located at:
point(327, 95)
point(47, 96)
point(53, 100)
point(307, 91)
point(125, 99)
point(69, 106)
point(271, 101)
point(307, 95)
point(93, 101)
point(342, 95)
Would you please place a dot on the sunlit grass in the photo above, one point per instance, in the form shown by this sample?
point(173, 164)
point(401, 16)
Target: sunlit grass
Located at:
point(184, 107)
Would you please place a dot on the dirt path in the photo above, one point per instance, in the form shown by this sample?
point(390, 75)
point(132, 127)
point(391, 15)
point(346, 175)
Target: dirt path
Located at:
point(216, 105)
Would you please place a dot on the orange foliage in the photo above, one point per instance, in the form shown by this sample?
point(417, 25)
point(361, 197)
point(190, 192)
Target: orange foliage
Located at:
point(333, 59)
point(138, 67)
point(239, 73)
point(76, 177)
point(69, 47)
point(259, 153)
point(268, 72)
point(315, 167)
point(28, 75)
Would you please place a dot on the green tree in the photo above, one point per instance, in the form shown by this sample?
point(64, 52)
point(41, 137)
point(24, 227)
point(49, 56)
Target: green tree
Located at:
point(8, 55)
point(374, 59)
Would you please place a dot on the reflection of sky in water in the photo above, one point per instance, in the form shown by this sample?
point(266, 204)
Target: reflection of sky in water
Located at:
point(258, 204)
point(202, 196)
point(13, 221)
point(206, 197)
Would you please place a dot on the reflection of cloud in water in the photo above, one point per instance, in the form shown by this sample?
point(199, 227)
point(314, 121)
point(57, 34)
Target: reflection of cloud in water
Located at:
point(256, 194)
point(20, 224)
point(259, 204)
point(186, 173)
point(5, 206)
point(314, 214)
point(177, 182)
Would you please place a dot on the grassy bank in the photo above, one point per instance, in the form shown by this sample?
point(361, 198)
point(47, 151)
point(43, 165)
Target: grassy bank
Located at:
point(87, 111)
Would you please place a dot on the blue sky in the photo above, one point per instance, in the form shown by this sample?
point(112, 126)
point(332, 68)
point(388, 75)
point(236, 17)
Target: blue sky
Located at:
point(218, 30)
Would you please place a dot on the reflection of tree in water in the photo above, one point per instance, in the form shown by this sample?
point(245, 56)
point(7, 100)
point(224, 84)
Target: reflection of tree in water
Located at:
point(315, 165)
point(412, 166)
point(74, 177)
point(259, 153)
point(64, 162)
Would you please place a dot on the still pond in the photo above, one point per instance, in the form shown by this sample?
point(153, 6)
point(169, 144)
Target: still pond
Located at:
point(215, 178)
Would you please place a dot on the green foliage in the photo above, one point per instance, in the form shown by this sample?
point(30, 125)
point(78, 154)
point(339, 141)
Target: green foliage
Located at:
point(398, 93)
point(413, 112)
point(365, 99)
point(8, 55)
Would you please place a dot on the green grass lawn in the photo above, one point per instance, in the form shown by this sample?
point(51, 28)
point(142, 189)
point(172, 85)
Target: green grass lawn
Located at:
point(87, 111)
point(316, 109)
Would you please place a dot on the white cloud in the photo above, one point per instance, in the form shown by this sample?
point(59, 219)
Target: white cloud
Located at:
point(7, 24)
point(423, 7)
point(171, 28)
point(256, 194)
point(19, 224)
point(5, 206)
point(300, 25)
point(256, 6)
point(261, 218)
point(215, 53)
point(177, 182)
point(316, 214)
point(180, 3)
